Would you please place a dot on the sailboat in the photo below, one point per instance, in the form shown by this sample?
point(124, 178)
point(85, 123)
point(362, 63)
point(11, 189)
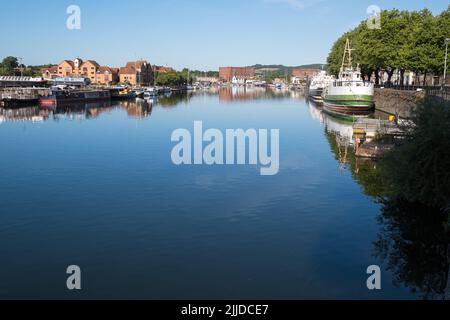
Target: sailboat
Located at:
point(349, 95)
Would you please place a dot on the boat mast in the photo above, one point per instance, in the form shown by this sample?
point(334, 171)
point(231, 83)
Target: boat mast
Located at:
point(347, 62)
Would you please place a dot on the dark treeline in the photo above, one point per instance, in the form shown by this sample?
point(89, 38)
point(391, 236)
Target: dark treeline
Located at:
point(406, 41)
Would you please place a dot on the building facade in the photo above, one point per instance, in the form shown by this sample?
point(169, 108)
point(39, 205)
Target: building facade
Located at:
point(50, 73)
point(305, 73)
point(240, 74)
point(89, 69)
point(137, 73)
point(161, 69)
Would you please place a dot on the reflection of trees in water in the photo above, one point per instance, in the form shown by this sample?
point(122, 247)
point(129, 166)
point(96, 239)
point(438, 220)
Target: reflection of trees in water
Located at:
point(366, 172)
point(172, 100)
point(413, 243)
point(413, 237)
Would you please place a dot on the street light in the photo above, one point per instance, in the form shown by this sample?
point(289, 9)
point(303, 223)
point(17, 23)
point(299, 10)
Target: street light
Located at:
point(447, 40)
point(21, 67)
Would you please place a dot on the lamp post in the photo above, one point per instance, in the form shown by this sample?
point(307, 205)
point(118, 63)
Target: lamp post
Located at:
point(21, 67)
point(447, 40)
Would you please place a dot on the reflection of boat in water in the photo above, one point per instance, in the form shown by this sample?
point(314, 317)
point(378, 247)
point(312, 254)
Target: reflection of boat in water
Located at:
point(349, 95)
point(339, 127)
point(32, 114)
point(315, 111)
point(78, 110)
point(336, 126)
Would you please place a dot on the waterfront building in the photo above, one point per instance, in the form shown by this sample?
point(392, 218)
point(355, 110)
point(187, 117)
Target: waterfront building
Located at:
point(298, 81)
point(89, 69)
point(50, 73)
point(239, 74)
point(137, 73)
point(305, 74)
point(161, 69)
point(106, 75)
point(207, 79)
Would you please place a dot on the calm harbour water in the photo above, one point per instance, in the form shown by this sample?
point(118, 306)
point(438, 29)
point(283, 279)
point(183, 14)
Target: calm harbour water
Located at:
point(95, 186)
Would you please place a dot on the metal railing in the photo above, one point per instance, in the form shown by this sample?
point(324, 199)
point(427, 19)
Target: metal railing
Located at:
point(433, 91)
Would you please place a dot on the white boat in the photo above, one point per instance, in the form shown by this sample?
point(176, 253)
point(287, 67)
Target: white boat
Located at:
point(317, 86)
point(349, 95)
point(151, 92)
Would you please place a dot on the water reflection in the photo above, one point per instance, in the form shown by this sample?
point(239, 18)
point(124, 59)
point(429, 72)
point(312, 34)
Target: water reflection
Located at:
point(139, 108)
point(413, 243)
point(241, 93)
point(412, 240)
point(33, 114)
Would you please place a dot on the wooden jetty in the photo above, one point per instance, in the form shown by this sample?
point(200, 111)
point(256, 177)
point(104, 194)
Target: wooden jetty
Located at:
point(365, 130)
point(376, 127)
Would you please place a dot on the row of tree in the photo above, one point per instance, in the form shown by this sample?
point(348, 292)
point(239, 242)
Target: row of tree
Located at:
point(406, 41)
point(10, 66)
point(173, 79)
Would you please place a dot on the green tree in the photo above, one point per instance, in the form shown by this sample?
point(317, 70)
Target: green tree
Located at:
point(9, 63)
point(406, 41)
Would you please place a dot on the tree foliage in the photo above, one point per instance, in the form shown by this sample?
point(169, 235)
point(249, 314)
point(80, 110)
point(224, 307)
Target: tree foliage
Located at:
point(417, 170)
point(406, 41)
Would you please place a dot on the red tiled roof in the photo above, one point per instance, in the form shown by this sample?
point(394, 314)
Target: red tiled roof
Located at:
point(53, 69)
point(127, 70)
point(69, 62)
point(93, 62)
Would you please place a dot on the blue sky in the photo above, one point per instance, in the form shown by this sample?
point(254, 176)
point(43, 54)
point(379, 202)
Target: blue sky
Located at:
point(199, 34)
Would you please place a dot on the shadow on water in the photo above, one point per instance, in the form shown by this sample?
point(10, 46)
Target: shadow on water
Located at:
point(414, 237)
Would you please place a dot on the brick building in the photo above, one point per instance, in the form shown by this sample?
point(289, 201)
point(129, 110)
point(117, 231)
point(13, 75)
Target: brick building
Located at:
point(50, 73)
point(242, 73)
point(87, 69)
point(137, 73)
point(161, 69)
point(305, 73)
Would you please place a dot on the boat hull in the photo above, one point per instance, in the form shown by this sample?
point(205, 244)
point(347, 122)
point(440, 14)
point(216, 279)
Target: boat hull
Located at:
point(59, 97)
point(316, 94)
point(347, 112)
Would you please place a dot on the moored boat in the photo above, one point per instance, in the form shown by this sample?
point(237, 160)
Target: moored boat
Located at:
point(317, 84)
point(122, 94)
point(349, 95)
point(56, 97)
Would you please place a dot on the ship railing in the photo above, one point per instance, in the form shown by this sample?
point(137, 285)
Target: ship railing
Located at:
point(350, 83)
